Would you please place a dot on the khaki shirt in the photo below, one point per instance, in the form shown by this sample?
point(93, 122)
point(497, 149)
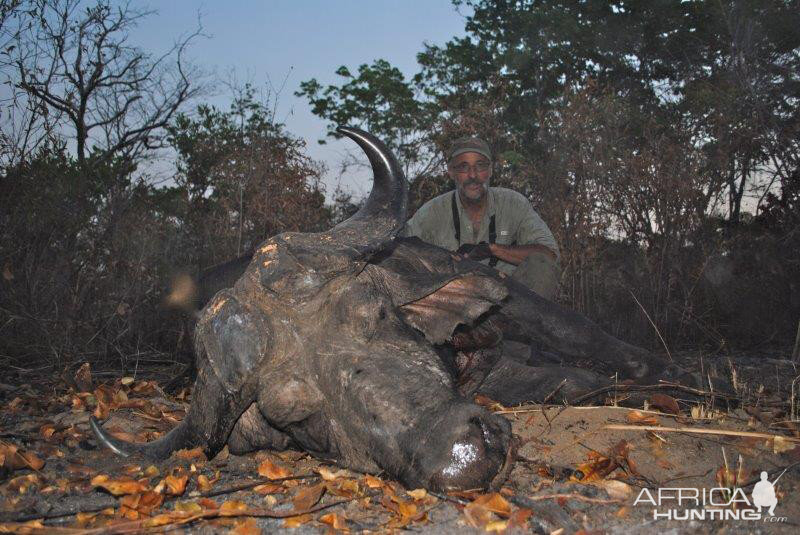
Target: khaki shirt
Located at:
point(516, 223)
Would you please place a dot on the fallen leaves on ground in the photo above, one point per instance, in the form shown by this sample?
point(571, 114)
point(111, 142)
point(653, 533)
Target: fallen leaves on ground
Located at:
point(493, 513)
point(270, 470)
point(308, 497)
point(664, 403)
point(15, 458)
point(176, 483)
point(119, 486)
point(599, 466)
point(640, 418)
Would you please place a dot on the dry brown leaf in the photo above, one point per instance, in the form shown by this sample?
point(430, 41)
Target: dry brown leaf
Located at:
point(329, 475)
point(207, 504)
point(232, 507)
point(406, 511)
point(372, 482)
point(595, 468)
point(307, 497)
point(81, 470)
point(334, 520)
point(189, 507)
point(345, 488)
point(78, 404)
point(152, 471)
point(297, 521)
point(269, 488)
point(495, 503)
point(664, 403)
point(496, 525)
point(203, 483)
point(519, 518)
point(616, 489)
point(84, 519)
point(118, 487)
point(120, 397)
point(15, 458)
point(477, 515)
point(32, 460)
point(149, 501)
point(22, 484)
point(101, 411)
point(417, 494)
point(623, 512)
point(781, 445)
point(247, 526)
point(269, 469)
point(640, 418)
point(599, 466)
point(189, 455)
point(83, 378)
point(126, 381)
point(176, 484)
point(47, 431)
point(132, 469)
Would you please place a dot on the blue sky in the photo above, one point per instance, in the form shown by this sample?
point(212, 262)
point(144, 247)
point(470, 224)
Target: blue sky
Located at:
point(270, 40)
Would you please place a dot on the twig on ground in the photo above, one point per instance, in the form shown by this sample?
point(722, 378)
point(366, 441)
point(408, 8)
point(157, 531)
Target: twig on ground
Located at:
point(113, 502)
point(174, 518)
point(645, 388)
point(730, 432)
point(252, 484)
point(549, 396)
point(448, 498)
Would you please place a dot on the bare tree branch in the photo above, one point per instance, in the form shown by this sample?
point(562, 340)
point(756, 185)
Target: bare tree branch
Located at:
point(109, 96)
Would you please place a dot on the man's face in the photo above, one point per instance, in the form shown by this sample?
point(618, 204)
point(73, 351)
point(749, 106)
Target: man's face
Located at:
point(471, 173)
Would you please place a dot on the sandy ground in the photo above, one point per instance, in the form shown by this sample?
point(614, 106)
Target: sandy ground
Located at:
point(574, 473)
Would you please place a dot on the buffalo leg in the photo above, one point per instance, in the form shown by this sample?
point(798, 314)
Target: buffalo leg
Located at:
point(512, 383)
point(252, 432)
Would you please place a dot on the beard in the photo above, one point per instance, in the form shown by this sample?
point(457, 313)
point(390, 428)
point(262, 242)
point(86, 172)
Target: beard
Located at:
point(473, 194)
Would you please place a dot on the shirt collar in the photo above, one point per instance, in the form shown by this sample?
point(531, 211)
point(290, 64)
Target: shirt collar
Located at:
point(490, 204)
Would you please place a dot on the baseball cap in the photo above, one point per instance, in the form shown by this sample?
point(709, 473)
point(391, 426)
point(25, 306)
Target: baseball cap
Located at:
point(469, 144)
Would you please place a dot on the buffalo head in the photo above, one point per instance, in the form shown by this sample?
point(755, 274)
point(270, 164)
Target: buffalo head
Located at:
point(312, 348)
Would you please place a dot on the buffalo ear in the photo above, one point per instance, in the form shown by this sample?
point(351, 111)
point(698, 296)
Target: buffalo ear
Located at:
point(460, 300)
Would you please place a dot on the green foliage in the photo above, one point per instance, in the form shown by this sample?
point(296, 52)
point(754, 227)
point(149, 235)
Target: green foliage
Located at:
point(379, 100)
point(244, 179)
point(646, 123)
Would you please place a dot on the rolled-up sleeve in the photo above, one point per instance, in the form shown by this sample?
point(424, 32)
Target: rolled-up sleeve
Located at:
point(533, 230)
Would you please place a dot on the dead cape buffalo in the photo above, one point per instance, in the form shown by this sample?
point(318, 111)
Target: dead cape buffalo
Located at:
point(363, 348)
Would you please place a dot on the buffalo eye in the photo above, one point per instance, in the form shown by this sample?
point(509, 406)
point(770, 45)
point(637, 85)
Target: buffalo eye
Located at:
point(382, 313)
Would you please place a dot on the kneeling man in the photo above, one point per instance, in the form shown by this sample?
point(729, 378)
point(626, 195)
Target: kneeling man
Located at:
point(497, 226)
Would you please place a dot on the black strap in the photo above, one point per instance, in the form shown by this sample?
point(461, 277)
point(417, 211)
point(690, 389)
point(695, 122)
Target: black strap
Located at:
point(492, 239)
point(457, 228)
point(456, 220)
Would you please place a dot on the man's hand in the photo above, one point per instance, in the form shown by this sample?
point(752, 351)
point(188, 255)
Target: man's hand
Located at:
point(475, 251)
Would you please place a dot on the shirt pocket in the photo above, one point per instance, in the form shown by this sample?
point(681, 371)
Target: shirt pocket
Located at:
point(504, 237)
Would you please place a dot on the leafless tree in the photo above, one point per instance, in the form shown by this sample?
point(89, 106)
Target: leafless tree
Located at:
point(73, 69)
